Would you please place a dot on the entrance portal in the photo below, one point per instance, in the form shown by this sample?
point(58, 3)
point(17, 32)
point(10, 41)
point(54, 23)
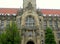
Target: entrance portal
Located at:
point(30, 42)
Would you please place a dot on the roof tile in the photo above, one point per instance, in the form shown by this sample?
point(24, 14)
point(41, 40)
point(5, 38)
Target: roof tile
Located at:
point(14, 11)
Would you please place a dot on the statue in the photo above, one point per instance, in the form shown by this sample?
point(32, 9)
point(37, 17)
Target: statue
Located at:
point(29, 7)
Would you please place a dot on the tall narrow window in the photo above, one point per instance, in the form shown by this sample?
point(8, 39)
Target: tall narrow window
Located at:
point(56, 24)
point(58, 35)
point(7, 22)
point(2, 25)
point(30, 23)
point(45, 24)
point(50, 23)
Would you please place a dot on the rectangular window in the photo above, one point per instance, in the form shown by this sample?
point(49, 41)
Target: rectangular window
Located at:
point(34, 33)
point(41, 34)
point(2, 25)
point(50, 23)
point(30, 22)
point(56, 24)
point(58, 35)
point(42, 41)
point(7, 22)
point(44, 24)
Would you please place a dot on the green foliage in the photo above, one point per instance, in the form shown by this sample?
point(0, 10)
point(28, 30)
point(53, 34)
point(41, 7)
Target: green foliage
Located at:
point(49, 36)
point(3, 38)
point(12, 35)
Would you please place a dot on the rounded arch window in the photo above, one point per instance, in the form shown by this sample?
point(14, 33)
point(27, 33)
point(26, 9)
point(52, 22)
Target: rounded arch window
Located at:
point(30, 22)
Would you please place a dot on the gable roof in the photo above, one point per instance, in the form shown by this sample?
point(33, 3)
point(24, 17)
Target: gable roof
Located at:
point(14, 11)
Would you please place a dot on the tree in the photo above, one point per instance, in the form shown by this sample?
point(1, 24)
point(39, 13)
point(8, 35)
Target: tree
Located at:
point(3, 38)
point(49, 36)
point(12, 35)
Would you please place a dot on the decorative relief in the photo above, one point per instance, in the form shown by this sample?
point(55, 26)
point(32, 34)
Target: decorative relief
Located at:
point(29, 7)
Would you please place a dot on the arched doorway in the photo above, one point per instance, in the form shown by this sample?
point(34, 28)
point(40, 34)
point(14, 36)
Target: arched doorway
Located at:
point(30, 42)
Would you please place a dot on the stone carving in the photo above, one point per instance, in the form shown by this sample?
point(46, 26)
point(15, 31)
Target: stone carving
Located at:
point(29, 7)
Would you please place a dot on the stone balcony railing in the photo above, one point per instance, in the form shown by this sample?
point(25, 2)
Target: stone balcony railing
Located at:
point(30, 28)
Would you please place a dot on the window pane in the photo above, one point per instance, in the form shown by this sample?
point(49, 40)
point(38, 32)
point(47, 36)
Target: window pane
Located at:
point(58, 35)
point(50, 23)
point(44, 24)
point(56, 24)
point(7, 22)
point(30, 23)
point(2, 25)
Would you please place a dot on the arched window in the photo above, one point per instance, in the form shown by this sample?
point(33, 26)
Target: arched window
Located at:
point(30, 22)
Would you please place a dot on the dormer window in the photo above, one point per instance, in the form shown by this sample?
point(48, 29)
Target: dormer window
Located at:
point(14, 14)
point(2, 14)
point(8, 14)
point(55, 15)
point(50, 15)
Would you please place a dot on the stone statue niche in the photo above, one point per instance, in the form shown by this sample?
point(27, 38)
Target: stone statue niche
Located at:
point(29, 7)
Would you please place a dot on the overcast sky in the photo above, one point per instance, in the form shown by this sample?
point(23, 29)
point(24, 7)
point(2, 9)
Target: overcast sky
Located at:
point(42, 4)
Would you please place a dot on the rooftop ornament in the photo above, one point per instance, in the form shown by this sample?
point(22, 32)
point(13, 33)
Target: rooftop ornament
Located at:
point(29, 7)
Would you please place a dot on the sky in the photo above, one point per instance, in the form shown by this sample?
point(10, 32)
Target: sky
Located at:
point(42, 4)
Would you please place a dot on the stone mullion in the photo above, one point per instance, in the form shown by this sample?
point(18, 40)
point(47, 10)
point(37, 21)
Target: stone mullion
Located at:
point(38, 36)
point(53, 24)
point(0, 24)
point(4, 24)
point(33, 33)
point(54, 19)
point(38, 40)
point(41, 23)
point(55, 33)
point(23, 39)
point(47, 22)
point(10, 22)
point(58, 24)
point(26, 37)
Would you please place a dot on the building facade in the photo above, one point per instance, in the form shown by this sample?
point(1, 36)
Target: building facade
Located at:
point(33, 21)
